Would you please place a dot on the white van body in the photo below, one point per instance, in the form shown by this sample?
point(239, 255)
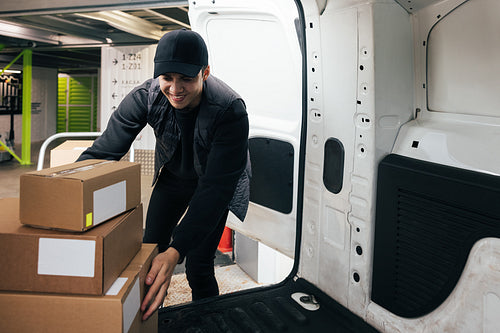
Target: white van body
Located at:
point(417, 79)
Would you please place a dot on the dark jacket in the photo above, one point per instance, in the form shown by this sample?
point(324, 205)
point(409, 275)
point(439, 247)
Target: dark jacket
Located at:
point(220, 134)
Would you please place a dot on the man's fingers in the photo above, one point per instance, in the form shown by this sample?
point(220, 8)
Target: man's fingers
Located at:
point(160, 296)
point(147, 299)
point(153, 272)
point(161, 283)
point(153, 290)
point(158, 279)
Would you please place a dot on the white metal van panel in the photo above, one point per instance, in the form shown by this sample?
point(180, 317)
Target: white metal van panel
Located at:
point(363, 95)
point(253, 46)
point(473, 306)
point(452, 140)
point(458, 116)
point(457, 126)
point(423, 20)
point(326, 233)
point(463, 77)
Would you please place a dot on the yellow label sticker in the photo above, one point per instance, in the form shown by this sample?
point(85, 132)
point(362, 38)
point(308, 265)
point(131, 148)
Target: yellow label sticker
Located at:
point(88, 220)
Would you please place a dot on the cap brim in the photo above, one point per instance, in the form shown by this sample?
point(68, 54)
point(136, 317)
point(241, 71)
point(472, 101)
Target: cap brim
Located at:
point(176, 67)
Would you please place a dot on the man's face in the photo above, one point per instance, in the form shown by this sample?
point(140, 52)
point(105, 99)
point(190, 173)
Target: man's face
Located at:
point(183, 92)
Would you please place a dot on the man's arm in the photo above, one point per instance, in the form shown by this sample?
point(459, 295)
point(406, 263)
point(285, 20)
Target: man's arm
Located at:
point(124, 124)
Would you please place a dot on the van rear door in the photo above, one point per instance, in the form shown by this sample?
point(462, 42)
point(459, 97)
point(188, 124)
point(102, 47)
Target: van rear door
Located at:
point(254, 46)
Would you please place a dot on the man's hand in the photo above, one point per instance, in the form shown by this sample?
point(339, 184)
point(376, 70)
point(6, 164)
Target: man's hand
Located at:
point(158, 278)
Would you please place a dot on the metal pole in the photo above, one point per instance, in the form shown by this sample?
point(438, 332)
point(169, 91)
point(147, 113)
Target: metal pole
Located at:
point(26, 132)
point(10, 151)
point(12, 62)
point(45, 144)
point(2, 70)
point(41, 155)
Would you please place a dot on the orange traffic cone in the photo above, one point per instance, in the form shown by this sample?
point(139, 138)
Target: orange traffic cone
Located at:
point(226, 241)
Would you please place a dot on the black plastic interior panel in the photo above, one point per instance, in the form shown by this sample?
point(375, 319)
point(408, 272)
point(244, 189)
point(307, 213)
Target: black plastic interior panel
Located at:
point(272, 173)
point(262, 310)
point(428, 218)
point(333, 171)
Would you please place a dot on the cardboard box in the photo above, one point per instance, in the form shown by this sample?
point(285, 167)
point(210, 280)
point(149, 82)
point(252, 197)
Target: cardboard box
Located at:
point(118, 311)
point(44, 260)
point(68, 152)
point(79, 196)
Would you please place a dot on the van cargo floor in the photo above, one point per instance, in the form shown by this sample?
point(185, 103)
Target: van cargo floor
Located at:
point(266, 309)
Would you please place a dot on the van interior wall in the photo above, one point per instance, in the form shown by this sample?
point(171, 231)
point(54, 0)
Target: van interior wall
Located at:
point(43, 109)
point(367, 88)
point(459, 118)
point(455, 133)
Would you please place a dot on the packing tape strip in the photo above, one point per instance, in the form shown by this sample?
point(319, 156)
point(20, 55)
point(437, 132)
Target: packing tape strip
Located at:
point(78, 169)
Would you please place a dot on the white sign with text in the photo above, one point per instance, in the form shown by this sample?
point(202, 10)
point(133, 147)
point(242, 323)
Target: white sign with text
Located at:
point(122, 69)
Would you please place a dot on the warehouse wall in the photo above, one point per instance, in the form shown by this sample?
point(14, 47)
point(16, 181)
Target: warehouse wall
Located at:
point(44, 107)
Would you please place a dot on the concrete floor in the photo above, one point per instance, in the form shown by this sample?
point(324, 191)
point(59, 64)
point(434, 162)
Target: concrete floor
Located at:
point(229, 275)
point(10, 171)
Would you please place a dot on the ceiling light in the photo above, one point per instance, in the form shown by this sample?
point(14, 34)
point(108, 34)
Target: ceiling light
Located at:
point(18, 31)
point(128, 23)
point(12, 71)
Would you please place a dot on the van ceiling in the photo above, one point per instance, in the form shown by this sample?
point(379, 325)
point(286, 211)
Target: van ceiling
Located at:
point(70, 39)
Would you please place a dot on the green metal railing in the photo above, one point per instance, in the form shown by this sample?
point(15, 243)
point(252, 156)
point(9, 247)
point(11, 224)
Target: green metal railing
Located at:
point(26, 107)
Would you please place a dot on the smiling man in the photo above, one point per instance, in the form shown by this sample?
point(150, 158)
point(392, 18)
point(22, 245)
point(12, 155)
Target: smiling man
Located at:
point(202, 166)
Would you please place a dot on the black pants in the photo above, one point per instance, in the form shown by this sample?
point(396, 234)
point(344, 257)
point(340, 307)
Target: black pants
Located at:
point(168, 202)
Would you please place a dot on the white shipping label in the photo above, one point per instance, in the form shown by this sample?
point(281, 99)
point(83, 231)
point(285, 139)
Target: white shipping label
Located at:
point(66, 257)
point(110, 201)
point(131, 306)
point(116, 286)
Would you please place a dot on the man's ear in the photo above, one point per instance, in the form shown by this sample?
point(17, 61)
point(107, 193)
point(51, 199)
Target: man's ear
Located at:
point(206, 73)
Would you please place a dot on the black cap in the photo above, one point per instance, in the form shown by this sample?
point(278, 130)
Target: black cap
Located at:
point(180, 51)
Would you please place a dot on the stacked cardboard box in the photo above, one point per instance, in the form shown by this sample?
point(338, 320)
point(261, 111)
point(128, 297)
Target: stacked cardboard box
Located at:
point(79, 196)
point(68, 275)
point(117, 311)
point(68, 151)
